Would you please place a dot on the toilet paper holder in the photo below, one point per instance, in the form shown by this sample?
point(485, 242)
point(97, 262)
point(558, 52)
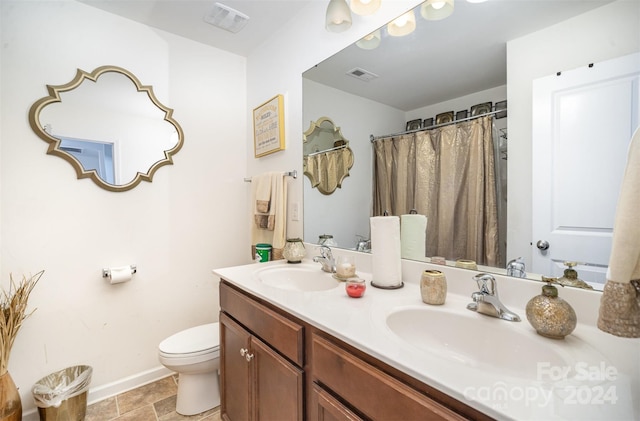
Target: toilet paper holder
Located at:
point(106, 272)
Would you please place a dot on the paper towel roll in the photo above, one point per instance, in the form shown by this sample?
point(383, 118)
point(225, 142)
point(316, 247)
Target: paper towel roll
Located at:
point(413, 236)
point(385, 251)
point(120, 274)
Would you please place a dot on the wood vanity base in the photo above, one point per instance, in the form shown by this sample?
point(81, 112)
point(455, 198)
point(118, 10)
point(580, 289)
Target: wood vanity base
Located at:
point(277, 367)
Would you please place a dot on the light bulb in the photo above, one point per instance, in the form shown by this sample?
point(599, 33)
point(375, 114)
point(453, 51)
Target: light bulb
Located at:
point(364, 7)
point(338, 17)
point(403, 25)
point(436, 9)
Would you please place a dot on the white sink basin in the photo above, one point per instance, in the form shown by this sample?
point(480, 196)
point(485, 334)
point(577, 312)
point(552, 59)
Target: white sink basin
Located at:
point(486, 343)
point(297, 277)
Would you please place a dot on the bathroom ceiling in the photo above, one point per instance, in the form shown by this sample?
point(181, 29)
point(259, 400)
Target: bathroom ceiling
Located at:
point(475, 33)
point(186, 18)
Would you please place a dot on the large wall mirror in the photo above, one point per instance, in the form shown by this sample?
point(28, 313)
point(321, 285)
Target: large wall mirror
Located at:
point(108, 126)
point(463, 56)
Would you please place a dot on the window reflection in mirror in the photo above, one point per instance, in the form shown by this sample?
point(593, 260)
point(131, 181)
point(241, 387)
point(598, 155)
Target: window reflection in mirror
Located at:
point(97, 156)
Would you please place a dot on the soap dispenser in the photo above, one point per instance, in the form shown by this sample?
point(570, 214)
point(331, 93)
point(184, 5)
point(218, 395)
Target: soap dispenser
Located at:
point(550, 315)
point(571, 279)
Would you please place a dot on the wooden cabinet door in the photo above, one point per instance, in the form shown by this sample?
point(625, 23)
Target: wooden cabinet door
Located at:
point(328, 408)
point(235, 391)
point(371, 391)
point(279, 392)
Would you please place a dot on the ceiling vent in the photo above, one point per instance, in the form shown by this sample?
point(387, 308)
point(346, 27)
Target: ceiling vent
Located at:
point(226, 18)
point(362, 74)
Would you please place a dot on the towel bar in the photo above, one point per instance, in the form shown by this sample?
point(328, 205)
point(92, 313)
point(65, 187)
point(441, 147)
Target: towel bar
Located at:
point(293, 174)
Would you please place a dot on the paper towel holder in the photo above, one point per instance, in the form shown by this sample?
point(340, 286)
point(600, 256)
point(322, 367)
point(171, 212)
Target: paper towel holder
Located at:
point(106, 272)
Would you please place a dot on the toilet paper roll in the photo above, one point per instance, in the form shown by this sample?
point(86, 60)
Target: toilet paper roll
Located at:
point(120, 274)
point(385, 251)
point(413, 236)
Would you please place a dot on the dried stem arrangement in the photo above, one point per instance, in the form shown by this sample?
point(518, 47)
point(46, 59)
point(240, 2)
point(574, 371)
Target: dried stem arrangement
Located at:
point(13, 310)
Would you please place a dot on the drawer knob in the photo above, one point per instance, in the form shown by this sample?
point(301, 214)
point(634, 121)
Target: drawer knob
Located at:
point(245, 353)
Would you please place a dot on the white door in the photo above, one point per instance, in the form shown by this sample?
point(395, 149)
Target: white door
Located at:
point(583, 121)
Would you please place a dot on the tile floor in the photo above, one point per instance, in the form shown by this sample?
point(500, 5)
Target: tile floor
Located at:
point(152, 402)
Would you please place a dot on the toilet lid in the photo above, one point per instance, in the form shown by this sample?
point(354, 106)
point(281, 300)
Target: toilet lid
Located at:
point(195, 339)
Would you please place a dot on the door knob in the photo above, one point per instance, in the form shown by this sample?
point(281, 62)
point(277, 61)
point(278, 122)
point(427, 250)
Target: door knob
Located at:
point(542, 244)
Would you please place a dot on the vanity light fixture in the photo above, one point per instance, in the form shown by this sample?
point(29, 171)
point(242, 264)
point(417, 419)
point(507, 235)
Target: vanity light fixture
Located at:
point(436, 9)
point(403, 25)
point(226, 18)
point(371, 41)
point(338, 17)
point(364, 7)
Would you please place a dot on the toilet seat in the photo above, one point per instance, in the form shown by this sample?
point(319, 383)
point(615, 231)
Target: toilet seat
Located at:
point(192, 342)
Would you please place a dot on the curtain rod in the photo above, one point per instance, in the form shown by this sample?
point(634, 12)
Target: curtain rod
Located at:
point(293, 174)
point(373, 138)
point(335, 148)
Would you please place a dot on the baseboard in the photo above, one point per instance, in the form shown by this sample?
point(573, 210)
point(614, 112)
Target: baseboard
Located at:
point(115, 388)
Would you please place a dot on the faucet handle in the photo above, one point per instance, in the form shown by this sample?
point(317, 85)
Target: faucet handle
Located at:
point(486, 283)
point(325, 251)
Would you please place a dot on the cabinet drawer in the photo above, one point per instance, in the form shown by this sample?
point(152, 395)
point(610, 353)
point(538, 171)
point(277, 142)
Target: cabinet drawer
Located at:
point(327, 408)
point(371, 391)
point(286, 336)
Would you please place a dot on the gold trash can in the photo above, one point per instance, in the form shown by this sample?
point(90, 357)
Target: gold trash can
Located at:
point(62, 396)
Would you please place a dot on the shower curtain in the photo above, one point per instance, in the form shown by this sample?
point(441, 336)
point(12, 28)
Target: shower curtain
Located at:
point(447, 174)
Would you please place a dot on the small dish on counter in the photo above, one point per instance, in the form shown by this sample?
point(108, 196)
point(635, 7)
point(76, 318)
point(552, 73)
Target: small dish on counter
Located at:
point(341, 279)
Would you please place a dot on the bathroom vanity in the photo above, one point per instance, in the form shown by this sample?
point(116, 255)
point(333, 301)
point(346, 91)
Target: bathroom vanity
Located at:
point(268, 353)
point(295, 346)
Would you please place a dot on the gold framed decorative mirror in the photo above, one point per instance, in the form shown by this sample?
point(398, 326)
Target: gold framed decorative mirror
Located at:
point(327, 156)
point(110, 127)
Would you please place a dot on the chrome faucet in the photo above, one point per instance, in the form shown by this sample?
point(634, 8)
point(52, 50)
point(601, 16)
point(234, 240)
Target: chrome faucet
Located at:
point(486, 301)
point(516, 267)
point(326, 259)
point(363, 244)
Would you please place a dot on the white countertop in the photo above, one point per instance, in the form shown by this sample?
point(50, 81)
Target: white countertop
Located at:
point(603, 380)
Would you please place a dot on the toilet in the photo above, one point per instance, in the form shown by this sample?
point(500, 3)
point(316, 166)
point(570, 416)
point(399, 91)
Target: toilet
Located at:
point(194, 354)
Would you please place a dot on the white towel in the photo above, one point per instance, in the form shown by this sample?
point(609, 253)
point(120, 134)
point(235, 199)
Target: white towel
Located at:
point(276, 229)
point(413, 236)
point(263, 189)
point(262, 186)
point(620, 301)
point(624, 263)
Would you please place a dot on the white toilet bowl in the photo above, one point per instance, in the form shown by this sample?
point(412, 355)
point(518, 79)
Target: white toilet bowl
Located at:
point(195, 355)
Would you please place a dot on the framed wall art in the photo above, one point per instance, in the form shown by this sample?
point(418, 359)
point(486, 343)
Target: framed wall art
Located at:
point(268, 127)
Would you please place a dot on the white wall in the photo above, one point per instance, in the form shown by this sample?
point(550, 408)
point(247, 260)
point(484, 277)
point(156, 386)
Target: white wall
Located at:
point(176, 229)
point(604, 33)
point(276, 68)
point(345, 213)
point(494, 95)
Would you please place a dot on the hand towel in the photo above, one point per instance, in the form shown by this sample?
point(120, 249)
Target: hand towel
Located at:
point(413, 236)
point(277, 219)
point(620, 301)
point(262, 189)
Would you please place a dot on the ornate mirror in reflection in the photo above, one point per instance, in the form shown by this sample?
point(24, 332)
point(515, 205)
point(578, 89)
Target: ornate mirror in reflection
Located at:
point(108, 126)
point(327, 156)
